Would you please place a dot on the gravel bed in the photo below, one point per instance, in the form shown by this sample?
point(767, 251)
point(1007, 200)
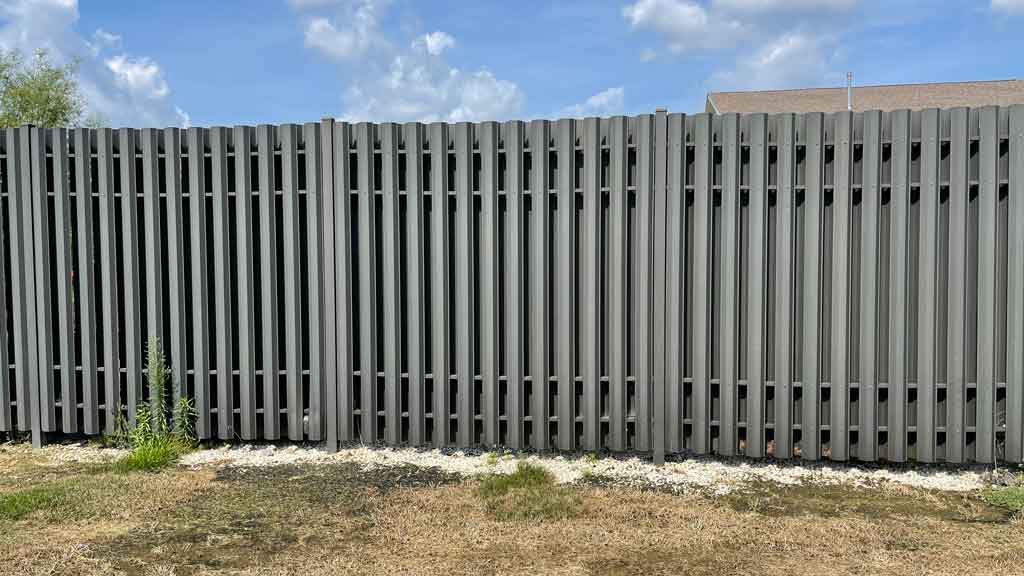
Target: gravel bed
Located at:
point(705, 474)
point(718, 476)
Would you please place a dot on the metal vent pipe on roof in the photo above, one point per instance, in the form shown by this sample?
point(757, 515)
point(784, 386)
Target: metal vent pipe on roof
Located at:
point(849, 91)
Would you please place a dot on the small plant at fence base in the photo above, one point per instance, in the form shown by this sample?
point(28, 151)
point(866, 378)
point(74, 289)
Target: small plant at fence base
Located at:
point(157, 438)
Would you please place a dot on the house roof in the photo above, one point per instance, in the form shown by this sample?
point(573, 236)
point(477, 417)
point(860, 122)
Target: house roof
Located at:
point(890, 97)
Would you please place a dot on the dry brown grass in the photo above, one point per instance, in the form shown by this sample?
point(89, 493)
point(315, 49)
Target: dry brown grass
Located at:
point(338, 519)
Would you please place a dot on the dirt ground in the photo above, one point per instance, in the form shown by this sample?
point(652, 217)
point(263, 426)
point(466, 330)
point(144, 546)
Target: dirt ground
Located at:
point(65, 518)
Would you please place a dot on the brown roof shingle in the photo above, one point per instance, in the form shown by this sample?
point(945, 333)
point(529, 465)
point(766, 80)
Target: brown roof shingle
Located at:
point(891, 97)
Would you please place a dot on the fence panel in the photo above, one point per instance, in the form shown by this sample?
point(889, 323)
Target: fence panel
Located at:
point(813, 286)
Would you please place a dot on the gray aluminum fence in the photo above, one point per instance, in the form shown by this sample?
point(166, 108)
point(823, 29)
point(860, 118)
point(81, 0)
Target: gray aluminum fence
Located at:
point(823, 286)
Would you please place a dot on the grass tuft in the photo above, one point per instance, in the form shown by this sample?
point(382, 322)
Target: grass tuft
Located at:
point(17, 505)
point(529, 493)
point(151, 456)
point(1011, 498)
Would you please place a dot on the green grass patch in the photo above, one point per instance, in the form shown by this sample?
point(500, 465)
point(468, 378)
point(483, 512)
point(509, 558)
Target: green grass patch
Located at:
point(529, 493)
point(1011, 498)
point(17, 505)
point(151, 456)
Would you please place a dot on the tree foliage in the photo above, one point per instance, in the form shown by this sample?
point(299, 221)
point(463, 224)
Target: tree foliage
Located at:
point(38, 92)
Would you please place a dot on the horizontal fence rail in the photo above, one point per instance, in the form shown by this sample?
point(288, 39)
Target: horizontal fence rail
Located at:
point(819, 286)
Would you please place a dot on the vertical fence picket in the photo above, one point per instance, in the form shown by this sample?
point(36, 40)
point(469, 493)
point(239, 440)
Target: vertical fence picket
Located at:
point(842, 197)
point(365, 135)
point(244, 285)
point(590, 302)
point(6, 399)
point(392, 276)
point(314, 284)
point(756, 280)
point(1014, 290)
point(38, 253)
point(130, 280)
point(659, 274)
point(811, 222)
point(414, 278)
point(22, 278)
point(988, 201)
point(488, 245)
point(728, 253)
point(200, 283)
point(344, 288)
point(439, 279)
point(675, 287)
point(785, 286)
point(870, 205)
point(514, 284)
point(269, 313)
point(899, 206)
point(222, 284)
point(956, 345)
point(465, 337)
point(617, 275)
point(700, 324)
point(109, 282)
point(64, 264)
point(564, 279)
point(291, 272)
point(642, 279)
point(927, 290)
point(333, 380)
point(153, 237)
point(86, 280)
point(539, 296)
point(175, 240)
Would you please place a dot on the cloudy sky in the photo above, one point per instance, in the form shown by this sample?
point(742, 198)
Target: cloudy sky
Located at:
point(229, 62)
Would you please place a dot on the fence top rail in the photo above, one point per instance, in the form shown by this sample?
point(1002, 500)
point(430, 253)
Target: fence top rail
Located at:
point(504, 128)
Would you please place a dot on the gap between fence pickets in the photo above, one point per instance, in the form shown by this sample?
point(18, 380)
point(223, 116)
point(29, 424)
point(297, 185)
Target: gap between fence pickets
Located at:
point(670, 290)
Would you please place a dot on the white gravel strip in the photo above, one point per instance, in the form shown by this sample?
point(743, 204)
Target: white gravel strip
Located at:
point(716, 476)
point(706, 474)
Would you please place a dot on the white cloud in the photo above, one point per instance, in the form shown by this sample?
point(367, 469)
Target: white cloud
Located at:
point(686, 25)
point(101, 40)
point(689, 26)
point(773, 43)
point(648, 55)
point(104, 38)
point(792, 60)
point(184, 120)
point(123, 89)
point(1011, 6)
point(356, 31)
point(434, 43)
point(342, 44)
point(392, 80)
point(427, 90)
point(138, 75)
point(604, 103)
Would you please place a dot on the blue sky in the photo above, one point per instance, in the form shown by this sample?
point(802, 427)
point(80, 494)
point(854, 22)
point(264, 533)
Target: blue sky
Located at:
point(224, 62)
